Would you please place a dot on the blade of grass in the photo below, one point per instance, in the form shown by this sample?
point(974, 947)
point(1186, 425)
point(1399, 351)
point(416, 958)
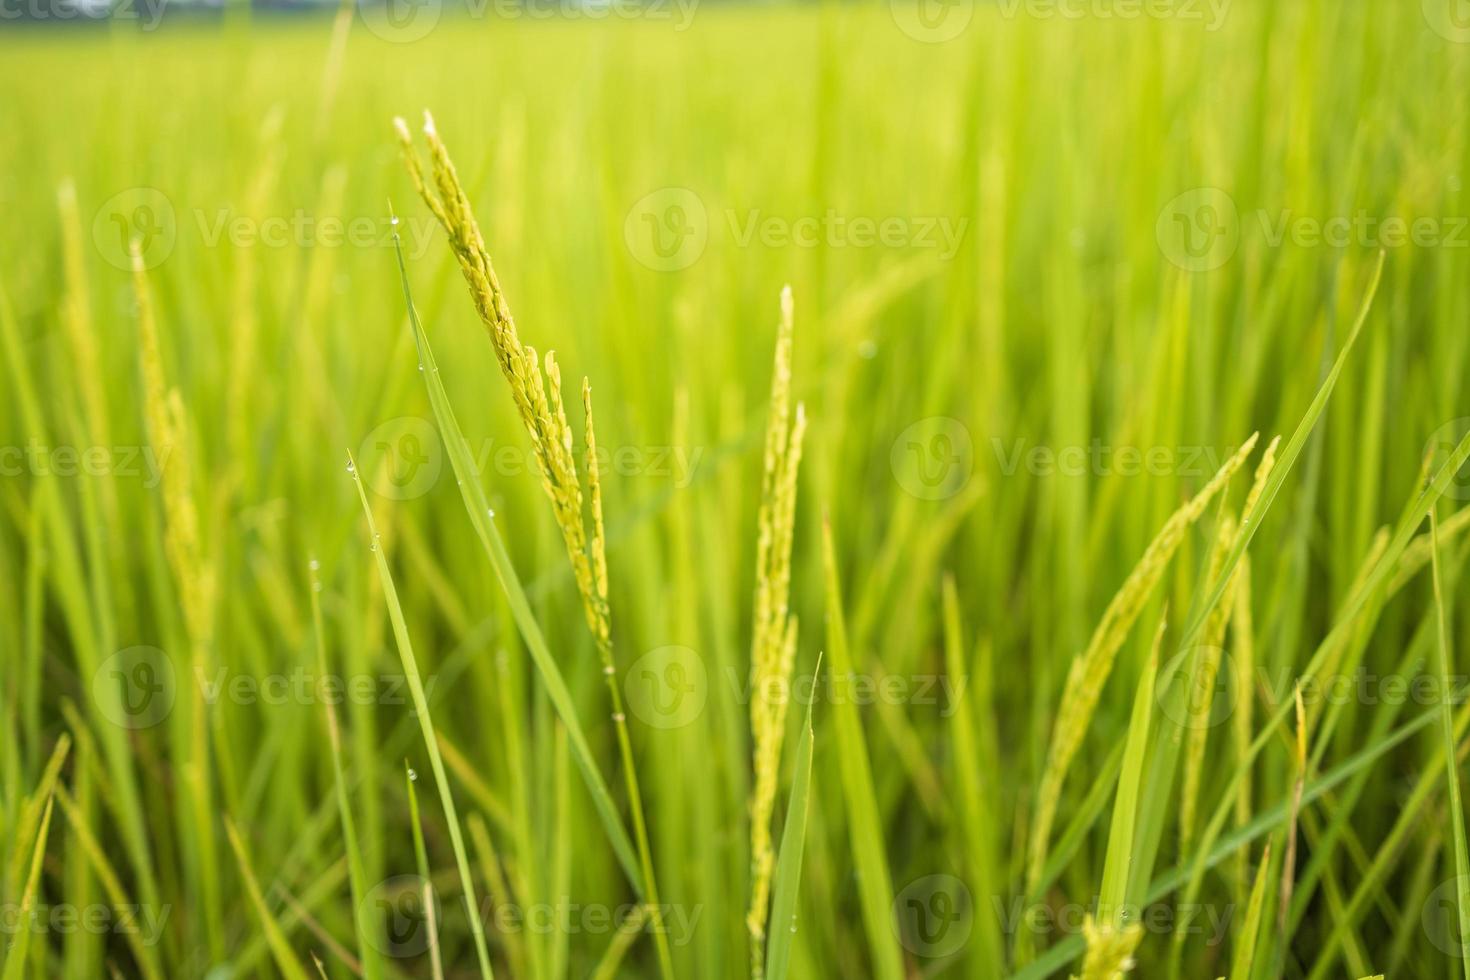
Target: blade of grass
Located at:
point(1452, 773)
point(285, 957)
point(1244, 956)
point(30, 814)
point(979, 828)
point(15, 960)
point(788, 862)
point(1113, 893)
point(500, 893)
point(365, 926)
point(626, 936)
point(1288, 860)
point(865, 831)
point(421, 862)
point(426, 727)
point(1111, 938)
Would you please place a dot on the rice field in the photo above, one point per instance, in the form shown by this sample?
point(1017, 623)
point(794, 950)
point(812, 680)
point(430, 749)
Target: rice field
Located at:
point(674, 489)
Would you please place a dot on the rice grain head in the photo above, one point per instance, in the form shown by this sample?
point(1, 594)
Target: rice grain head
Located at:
point(774, 631)
point(168, 425)
point(536, 386)
point(1089, 671)
point(1110, 950)
point(1212, 639)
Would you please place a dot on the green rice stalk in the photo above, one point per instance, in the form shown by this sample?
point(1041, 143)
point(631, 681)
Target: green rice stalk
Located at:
point(1242, 961)
point(421, 862)
point(865, 827)
point(1288, 860)
point(1452, 772)
point(793, 841)
point(364, 924)
point(978, 817)
point(1242, 683)
point(612, 958)
point(426, 728)
point(1111, 938)
point(500, 893)
point(1112, 904)
point(15, 958)
point(285, 957)
point(774, 629)
point(29, 818)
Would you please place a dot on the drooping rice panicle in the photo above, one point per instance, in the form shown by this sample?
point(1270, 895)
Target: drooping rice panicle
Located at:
point(1211, 647)
point(538, 398)
point(1090, 670)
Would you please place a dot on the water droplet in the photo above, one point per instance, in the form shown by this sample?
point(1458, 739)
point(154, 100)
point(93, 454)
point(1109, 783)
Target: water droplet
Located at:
point(413, 776)
point(393, 220)
point(609, 670)
point(314, 564)
point(619, 717)
point(491, 512)
point(351, 466)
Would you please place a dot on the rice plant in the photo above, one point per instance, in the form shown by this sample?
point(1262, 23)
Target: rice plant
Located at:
point(1021, 531)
